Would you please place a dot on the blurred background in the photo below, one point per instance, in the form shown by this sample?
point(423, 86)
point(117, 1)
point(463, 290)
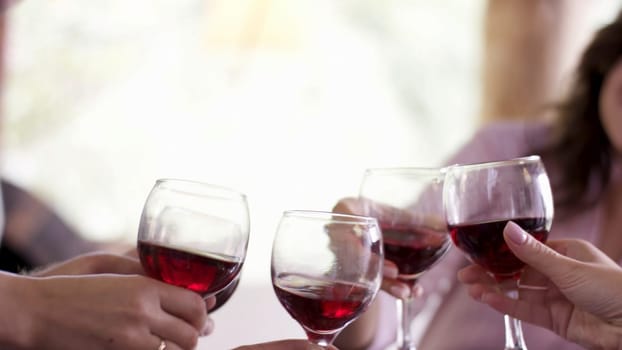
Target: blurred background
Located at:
point(286, 101)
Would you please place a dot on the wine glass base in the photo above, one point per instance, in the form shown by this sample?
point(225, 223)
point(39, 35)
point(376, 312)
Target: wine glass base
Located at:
point(322, 339)
point(396, 346)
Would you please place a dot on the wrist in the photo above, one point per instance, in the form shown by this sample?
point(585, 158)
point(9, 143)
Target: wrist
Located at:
point(16, 319)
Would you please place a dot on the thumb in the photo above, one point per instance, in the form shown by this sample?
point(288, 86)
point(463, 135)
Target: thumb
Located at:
point(348, 205)
point(536, 254)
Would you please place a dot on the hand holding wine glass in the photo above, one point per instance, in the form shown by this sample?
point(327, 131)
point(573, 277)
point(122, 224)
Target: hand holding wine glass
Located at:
point(193, 235)
point(105, 311)
point(480, 199)
point(391, 283)
point(326, 269)
point(581, 302)
point(408, 204)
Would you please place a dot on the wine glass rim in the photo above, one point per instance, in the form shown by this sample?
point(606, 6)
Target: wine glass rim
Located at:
point(319, 214)
point(405, 170)
point(223, 191)
point(498, 163)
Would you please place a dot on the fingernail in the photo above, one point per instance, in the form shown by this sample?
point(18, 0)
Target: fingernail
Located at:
point(208, 327)
point(417, 291)
point(390, 271)
point(460, 276)
point(210, 303)
point(515, 233)
point(400, 291)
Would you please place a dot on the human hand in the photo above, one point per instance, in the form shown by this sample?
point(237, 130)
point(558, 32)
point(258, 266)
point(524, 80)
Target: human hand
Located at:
point(583, 286)
point(104, 263)
point(109, 312)
point(390, 283)
point(93, 263)
point(289, 344)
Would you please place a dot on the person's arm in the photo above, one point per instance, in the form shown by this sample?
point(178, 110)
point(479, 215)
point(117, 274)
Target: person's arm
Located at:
point(15, 325)
point(582, 301)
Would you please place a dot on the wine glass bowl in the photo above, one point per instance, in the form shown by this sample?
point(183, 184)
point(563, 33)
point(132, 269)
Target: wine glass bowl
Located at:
point(484, 244)
point(326, 269)
point(413, 250)
point(225, 294)
point(480, 199)
point(193, 235)
point(408, 204)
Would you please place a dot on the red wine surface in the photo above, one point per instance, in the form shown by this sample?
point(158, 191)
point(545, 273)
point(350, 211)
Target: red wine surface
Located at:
point(413, 250)
point(483, 244)
point(200, 272)
point(321, 304)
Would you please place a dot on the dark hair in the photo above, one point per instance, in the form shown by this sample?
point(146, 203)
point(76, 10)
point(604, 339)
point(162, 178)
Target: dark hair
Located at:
point(581, 149)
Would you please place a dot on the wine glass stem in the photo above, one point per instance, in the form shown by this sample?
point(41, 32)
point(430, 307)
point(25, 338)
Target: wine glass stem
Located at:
point(513, 330)
point(322, 339)
point(406, 317)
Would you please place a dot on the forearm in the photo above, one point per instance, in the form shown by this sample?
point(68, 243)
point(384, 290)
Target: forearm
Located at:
point(360, 333)
point(16, 324)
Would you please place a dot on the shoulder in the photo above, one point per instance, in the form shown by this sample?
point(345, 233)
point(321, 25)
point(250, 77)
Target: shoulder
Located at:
point(503, 140)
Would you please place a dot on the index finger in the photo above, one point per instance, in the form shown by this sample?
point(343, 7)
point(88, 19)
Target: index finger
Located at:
point(475, 274)
point(530, 312)
point(349, 205)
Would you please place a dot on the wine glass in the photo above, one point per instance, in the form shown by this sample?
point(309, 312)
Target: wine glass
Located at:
point(193, 235)
point(408, 204)
point(480, 199)
point(225, 294)
point(326, 269)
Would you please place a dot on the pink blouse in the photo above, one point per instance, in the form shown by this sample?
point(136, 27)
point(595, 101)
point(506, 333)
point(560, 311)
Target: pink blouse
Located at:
point(448, 318)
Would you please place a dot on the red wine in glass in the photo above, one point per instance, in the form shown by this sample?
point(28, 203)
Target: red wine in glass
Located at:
point(321, 305)
point(413, 250)
point(484, 244)
point(200, 272)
